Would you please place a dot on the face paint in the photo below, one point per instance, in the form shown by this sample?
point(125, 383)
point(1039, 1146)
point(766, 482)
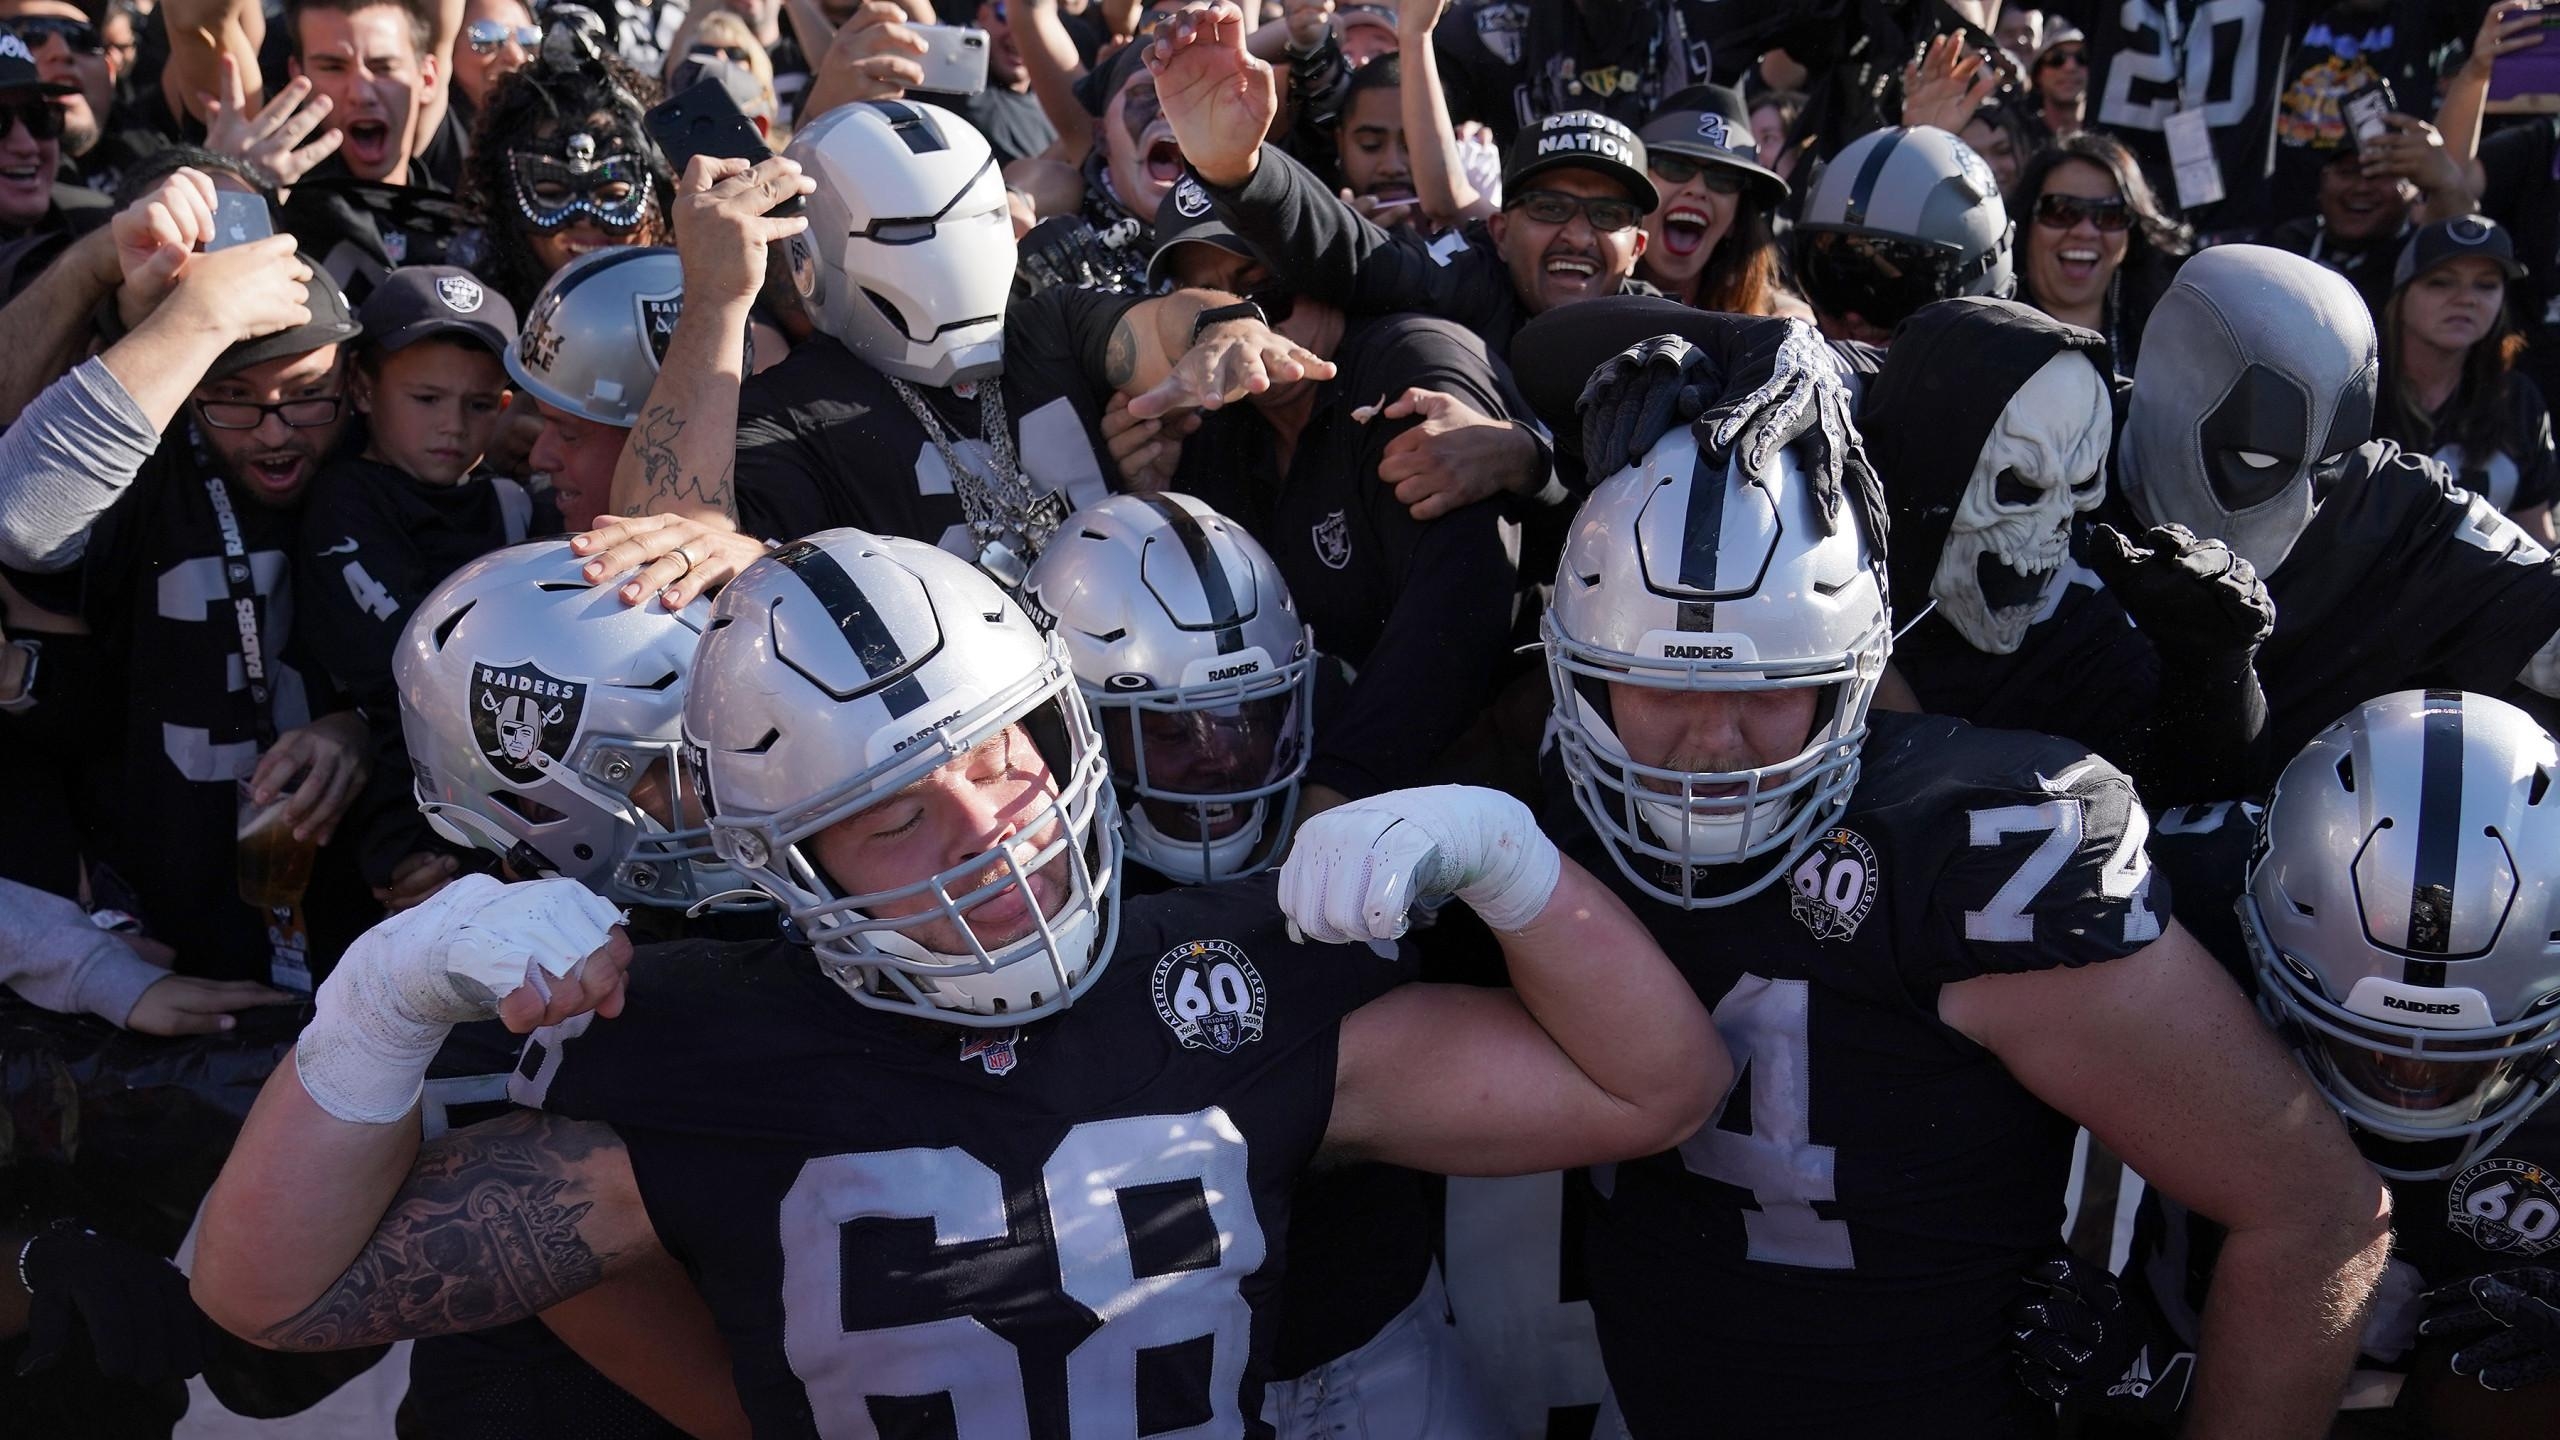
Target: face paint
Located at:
point(2256, 385)
point(555, 187)
point(2043, 463)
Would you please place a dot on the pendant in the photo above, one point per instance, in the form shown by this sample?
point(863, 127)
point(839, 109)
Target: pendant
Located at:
point(1000, 560)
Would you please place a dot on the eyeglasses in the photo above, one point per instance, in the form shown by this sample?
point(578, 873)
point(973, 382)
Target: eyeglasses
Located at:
point(1554, 207)
point(42, 118)
point(487, 35)
point(700, 53)
point(80, 35)
point(1678, 170)
point(2061, 212)
point(309, 413)
point(2056, 59)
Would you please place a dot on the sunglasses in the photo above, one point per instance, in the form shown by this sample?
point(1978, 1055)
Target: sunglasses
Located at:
point(1678, 170)
point(2061, 212)
point(487, 35)
point(2056, 59)
point(700, 53)
point(42, 118)
point(80, 35)
point(1554, 207)
point(307, 414)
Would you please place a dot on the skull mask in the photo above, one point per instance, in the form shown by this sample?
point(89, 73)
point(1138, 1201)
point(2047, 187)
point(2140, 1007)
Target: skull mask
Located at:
point(2042, 463)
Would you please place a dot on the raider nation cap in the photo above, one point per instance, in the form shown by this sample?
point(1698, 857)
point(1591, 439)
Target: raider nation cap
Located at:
point(1580, 140)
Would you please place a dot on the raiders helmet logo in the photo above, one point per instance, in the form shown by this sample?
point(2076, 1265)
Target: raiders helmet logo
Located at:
point(1500, 28)
point(460, 293)
point(1210, 995)
point(1189, 200)
point(524, 718)
point(658, 315)
point(1834, 886)
point(1333, 540)
point(2506, 1207)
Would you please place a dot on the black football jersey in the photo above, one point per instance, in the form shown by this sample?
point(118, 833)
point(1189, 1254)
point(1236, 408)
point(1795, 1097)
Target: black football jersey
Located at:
point(905, 1228)
point(1831, 1254)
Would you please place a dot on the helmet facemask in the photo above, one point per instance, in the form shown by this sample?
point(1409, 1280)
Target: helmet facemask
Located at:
point(1208, 773)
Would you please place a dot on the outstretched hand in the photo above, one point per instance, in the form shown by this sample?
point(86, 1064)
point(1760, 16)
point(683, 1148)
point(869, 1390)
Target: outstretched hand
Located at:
point(1218, 98)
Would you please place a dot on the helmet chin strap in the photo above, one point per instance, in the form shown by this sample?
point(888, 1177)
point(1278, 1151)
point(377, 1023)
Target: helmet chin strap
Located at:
point(1191, 862)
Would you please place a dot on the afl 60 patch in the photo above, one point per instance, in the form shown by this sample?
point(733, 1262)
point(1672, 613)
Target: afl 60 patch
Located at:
point(1834, 886)
point(1210, 995)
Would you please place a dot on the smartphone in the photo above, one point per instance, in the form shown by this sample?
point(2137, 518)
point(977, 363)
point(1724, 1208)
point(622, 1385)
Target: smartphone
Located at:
point(2528, 81)
point(703, 120)
point(2365, 109)
point(955, 59)
point(239, 218)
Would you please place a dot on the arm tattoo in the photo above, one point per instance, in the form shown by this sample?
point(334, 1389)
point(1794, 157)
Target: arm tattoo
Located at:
point(654, 445)
point(485, 1231)
point(1120, 359)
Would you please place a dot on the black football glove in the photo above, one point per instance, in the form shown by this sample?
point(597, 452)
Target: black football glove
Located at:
point(142, 1325)
point(2073, 1337)
point(2507, 1325)
point(2191, 596)
point(1066, 250)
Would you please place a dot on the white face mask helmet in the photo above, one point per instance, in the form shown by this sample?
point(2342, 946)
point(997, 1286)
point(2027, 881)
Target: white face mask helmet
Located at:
point(1198, 671)
point(1681, 577)
point(908, 259)
point(543, 717)
point(2399, 910)
point(2043, 463)
point(845, 667)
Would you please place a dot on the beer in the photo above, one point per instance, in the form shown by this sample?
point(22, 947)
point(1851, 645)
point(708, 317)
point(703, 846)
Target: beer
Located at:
point(275, 868)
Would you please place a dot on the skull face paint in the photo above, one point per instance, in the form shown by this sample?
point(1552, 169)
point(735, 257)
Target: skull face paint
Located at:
point(2043, 462)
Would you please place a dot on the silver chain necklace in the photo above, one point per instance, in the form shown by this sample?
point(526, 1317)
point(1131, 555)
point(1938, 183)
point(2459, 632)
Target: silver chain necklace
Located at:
point(1011, 522)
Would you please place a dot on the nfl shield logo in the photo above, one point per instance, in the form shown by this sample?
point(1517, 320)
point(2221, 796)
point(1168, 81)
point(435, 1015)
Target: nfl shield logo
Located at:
point(525, 719)
point(460, 293)
point(1333, 540)
point(992, 1049)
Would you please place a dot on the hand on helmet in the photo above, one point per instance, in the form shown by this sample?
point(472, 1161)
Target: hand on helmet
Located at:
point(2506, 1324)
point(1218, 98)
point(2190, 596)
point(677, 558)
point(1355, 872)
point(2073, 1337)
point(1638, 395)
point(722, 225)
point(134, 1305)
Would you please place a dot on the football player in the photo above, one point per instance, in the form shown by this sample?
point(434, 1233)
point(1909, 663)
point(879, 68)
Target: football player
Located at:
point(2397, 912)
point(1201, 678)
point(1932, 949)
point(985, 1151)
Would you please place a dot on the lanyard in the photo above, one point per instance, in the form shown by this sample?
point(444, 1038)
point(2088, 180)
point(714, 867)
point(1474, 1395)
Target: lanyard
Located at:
point(238, 578)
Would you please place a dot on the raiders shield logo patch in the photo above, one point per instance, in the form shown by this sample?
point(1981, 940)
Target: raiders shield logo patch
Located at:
point(460, 293)
point(1210, 995)
point(993, 1049)
point(1834, 886)
point(1501, 27)
point(1333, 540)
point(658, 320)
point(2506, 1207)
point(1189, 200)
point(525, 719)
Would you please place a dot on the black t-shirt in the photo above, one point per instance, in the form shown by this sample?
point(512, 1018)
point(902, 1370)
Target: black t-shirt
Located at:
point(155, 583)
point(1422, 611)
point(2515, 477)
point(2401, 42)
point(360, 230)
point(942, 1255)
point(2522, 166)
point(1507, 62)
point(1833, 1252)
point(2367, 265)
point(824, 441)
point(1012, 120)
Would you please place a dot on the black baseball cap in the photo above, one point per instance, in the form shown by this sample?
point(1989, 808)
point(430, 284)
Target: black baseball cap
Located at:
point(331, 323)
point(1581, 140)
point(1186, 217)
point(1711, 123)
point(417, 301)
point(2445, 240)
point(18, 69)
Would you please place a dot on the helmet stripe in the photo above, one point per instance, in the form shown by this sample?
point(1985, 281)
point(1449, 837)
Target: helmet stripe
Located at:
point(1702, 540)
point(2439, 836)
point(910, 125)
point(874, 644)
point(1863, 189)
point(1214, 589)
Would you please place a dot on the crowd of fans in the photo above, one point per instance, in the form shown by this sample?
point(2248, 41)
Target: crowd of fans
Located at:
point(428, 440)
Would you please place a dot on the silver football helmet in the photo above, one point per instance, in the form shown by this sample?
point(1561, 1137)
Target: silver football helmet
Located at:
point(2400, 909)
point(1198, 671)
point(543, 720)
point(908, 259)
point(1680, 575)
point(846, 667)
point(595, 335)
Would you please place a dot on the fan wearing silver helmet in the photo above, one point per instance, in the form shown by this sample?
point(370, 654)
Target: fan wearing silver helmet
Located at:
point(987, 1142)
point(2396, 913)
point(930, 405)
point(1934, 950)
point(2251, 424)
point(1201, 678)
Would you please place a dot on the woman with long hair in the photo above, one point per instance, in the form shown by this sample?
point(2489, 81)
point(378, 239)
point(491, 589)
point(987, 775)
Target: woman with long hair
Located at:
point(2449, 384)
point(2096, 250)
point(1708, 244)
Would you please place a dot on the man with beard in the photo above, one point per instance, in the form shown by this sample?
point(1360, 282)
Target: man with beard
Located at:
point(155, 492)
